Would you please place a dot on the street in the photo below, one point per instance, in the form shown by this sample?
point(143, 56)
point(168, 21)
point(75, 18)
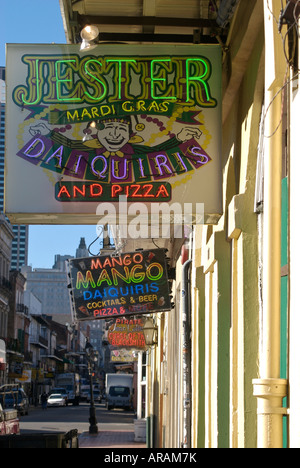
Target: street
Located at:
point(75, 417)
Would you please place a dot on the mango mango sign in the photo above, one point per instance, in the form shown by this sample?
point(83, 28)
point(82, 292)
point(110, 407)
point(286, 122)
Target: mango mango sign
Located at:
point(110, 287)
point(142, 122)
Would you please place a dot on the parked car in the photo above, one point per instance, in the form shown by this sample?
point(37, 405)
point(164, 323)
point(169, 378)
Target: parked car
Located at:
point(15, 398)
point(60, 391)
point(97, 396)
point(84, 394)
point(56, 399)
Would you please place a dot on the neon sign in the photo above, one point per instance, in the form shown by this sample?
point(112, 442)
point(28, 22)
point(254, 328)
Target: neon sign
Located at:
point(111, 287)
point(75, 79)
point(86, 192)
point(123, 355)
point(117, 120)
point(126, 333)
point(166, 161)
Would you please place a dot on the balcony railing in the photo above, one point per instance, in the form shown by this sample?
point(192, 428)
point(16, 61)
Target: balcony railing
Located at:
point(22, 309)
point(38, 341)
point(5, 283)
point(13, 345)
point(16, 346)
point(53, 354)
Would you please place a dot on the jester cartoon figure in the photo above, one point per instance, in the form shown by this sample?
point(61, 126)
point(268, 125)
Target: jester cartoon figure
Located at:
point(122, 153)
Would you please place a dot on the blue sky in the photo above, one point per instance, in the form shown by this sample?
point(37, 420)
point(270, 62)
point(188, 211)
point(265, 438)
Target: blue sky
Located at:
point(40, 21)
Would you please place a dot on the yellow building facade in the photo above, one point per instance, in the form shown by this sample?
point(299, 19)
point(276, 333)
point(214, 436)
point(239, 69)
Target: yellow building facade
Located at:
point(225, 370)
point(234, 391)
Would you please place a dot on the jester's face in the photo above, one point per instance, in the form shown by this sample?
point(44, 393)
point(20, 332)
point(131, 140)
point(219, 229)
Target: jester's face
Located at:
point(114, 135)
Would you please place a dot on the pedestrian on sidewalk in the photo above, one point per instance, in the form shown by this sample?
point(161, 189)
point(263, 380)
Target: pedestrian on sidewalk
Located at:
point(44, 399)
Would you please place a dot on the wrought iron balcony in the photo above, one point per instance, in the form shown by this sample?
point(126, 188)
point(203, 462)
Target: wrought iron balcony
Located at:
point(22, 309)
point(39, 341)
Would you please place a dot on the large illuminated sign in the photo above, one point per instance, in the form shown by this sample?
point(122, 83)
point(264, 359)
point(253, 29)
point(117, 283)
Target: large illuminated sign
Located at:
point(112, 287)
point(83, 128)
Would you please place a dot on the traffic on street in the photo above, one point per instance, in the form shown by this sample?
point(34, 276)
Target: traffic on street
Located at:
point(67, 418)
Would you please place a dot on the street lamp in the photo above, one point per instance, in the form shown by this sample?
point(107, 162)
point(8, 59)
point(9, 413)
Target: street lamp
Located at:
point(150, 333)
point(91, 358)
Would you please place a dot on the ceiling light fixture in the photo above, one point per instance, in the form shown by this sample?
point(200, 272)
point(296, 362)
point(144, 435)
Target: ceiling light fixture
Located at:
point(88, 35)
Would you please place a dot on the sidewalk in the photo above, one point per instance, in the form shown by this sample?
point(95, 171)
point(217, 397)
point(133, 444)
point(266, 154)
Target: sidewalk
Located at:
point(110, 439)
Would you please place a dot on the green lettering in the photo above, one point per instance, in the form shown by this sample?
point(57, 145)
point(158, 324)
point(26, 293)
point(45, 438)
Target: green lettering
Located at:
point(104, 276)
point(198, 72)
point(98, 96)
point(81, 281)
point(68, 79)
point(119, 75)
point(162, 79)
point(115, 274)
point(34, 77)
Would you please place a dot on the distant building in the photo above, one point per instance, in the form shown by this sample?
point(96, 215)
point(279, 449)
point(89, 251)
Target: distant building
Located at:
point(82, 250)
point(60, 262)
point(50, 287)
point(47, 294)
point(19, 251)
point(2, 134)
point(6, 236)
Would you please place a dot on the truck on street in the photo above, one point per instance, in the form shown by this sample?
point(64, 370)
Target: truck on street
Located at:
point(119, 391)
point(71, 383)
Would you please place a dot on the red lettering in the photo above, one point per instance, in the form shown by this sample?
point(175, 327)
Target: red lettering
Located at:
point(78, 192)
point(95, 264)
point(127, 260)
point(106, 262)
point(147, 189)
point(96, 190)
point(63, 190)
point(115, 190)
point(109, 311)
point(162, 191)
point(138, 258)
point(136, 190)
point(77, 189)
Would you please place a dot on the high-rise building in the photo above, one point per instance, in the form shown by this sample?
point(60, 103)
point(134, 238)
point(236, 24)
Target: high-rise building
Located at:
point(19, 254)
point(82, 250)
point(2, 134)
point(50, 285)
point(60, 262)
